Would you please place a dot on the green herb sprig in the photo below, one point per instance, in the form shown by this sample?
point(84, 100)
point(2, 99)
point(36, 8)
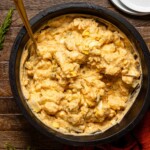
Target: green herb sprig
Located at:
point(5, 27)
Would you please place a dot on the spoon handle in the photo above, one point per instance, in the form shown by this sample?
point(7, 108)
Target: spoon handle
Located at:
point(21, 9)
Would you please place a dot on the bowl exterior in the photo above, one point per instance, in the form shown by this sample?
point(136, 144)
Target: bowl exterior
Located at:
point(140, 106)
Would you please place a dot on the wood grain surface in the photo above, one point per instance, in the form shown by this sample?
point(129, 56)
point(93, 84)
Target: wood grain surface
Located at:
point(14, 128)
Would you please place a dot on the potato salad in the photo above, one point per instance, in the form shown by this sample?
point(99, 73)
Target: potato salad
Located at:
point(82, 78)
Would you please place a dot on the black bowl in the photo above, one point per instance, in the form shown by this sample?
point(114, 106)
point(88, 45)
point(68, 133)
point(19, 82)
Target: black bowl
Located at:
point(138, 109)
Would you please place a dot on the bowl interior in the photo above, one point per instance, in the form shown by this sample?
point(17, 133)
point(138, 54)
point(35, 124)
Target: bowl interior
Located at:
point(138, 108)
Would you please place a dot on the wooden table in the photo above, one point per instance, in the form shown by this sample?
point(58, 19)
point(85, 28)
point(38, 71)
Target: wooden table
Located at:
point(14, 128)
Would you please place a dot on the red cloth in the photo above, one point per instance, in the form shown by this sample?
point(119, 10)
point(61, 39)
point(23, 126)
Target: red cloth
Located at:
point(138, 139)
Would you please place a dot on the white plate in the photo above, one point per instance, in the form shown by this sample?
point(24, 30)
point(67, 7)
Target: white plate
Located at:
point(123, 8)
point(138, 5)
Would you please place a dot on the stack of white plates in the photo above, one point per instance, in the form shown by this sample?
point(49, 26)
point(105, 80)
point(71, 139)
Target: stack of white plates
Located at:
point(133, 7)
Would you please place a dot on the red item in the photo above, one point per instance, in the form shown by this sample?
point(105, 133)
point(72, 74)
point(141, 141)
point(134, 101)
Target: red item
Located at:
point(138, 139)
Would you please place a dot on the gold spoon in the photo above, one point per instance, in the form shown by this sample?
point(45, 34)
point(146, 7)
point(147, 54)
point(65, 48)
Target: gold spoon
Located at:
point(22, 12)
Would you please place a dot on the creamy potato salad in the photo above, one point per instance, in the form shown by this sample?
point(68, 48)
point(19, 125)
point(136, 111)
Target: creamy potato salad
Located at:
point(81, 79)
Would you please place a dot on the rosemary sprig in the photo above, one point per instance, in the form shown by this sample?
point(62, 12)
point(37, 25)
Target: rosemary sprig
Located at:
point(5, 27)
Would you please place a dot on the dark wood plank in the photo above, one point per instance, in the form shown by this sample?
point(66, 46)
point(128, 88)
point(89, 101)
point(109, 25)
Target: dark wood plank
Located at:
point(22, 139)
point(145, 31)
point(5, 53)
point(4, 65)
point(8, 106)
point(38, 4)
point(14, 123)
point(16, 20)
point(5, 90)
